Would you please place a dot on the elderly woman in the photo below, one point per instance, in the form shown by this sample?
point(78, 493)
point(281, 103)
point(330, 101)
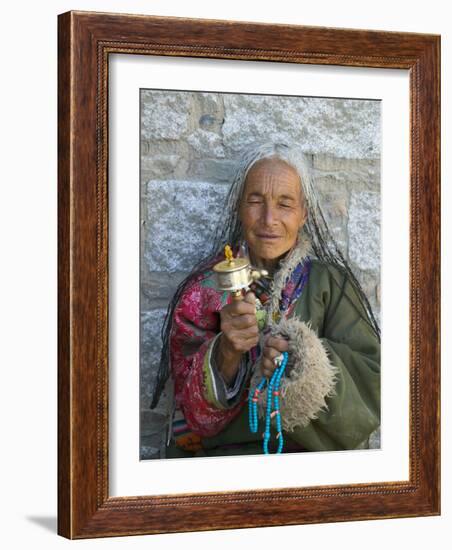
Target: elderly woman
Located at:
point(310, 306)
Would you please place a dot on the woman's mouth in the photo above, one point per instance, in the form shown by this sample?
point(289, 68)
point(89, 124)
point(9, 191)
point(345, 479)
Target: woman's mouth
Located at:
point(267, 236)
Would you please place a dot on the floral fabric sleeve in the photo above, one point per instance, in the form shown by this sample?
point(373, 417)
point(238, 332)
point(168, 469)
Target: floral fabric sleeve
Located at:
point(196, 322)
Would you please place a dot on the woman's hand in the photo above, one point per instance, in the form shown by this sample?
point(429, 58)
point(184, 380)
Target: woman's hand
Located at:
point(240, 333)
point(273, 347)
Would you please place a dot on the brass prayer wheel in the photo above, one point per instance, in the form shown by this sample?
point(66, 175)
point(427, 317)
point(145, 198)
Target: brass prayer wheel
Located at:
point(235, 274)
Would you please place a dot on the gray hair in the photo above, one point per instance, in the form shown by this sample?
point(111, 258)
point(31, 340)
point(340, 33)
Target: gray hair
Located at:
point(229, 229)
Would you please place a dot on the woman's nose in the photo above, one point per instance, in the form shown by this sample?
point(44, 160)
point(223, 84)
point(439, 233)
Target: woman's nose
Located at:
point(269, 215)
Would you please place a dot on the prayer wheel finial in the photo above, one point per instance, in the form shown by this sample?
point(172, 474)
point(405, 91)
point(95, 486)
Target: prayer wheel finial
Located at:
point(235, 274)
point(228, 254)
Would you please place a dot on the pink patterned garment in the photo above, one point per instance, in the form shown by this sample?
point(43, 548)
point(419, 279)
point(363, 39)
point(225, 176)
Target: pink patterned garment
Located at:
point(196, 322)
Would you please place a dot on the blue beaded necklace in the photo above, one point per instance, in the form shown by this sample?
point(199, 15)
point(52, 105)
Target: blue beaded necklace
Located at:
point(272, 392)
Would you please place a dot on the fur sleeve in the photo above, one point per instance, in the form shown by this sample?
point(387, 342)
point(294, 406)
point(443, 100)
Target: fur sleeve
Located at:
point(310, 376)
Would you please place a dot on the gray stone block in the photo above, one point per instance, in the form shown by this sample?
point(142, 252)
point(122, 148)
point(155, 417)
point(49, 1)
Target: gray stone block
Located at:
point(165, 400)
point(162, 159)
point(158, 287)
point(148, 452)
point(182, 220)
point(364, 230)
point(151, 346)
point(208, 122)
point(351, 174)
point(159, 166)
point(164, 114)
point(335, 209)
point(341, 127)
point(213, 170)
point(210, 111)
point(206, 144)
point(210, 103)
point(361, 166)
point(152, 423)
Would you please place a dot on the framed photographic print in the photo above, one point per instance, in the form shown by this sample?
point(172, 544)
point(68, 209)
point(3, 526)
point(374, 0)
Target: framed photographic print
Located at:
point(172, 134)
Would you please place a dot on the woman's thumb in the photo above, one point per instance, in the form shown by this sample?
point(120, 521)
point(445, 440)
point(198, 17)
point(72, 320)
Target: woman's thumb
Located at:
point(250, 298)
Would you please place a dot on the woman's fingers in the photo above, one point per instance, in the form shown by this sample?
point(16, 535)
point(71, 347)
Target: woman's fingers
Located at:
point(239, 315)
point(237, 338)
point(270, 355)
point(250, 298)
point(267, 367)
point(244, 321)
point(273, 348)
point(241, 333)
point(278, 343)
point(241, 307)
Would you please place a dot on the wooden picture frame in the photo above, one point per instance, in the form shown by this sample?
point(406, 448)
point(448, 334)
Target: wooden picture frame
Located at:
point(85, 41)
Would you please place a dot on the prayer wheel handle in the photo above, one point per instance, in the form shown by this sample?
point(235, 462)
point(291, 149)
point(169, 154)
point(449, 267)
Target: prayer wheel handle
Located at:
point(237, 295)
point(254, 275)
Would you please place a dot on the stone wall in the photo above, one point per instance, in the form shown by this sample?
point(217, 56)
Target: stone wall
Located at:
point(190, 143)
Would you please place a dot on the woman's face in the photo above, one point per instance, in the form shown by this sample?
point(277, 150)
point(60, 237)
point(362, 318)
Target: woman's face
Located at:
point(272, 209)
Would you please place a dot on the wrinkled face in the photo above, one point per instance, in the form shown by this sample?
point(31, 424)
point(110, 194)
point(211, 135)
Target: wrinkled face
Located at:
point(272, 209)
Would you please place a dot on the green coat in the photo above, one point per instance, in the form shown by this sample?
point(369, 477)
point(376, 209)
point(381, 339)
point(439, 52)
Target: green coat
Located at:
point(329, 316)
